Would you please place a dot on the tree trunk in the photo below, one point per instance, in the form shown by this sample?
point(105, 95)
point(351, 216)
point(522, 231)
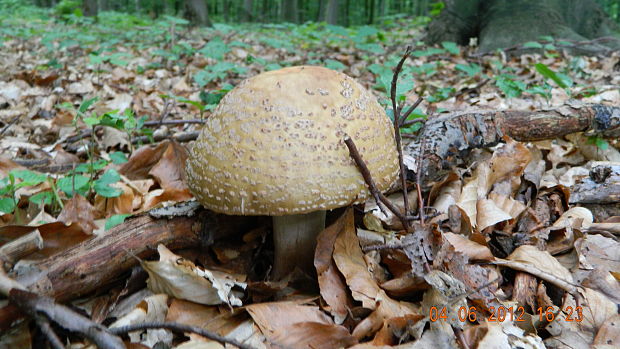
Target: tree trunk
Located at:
point(381, 9)
point(499, 24)
point(246, 13)
point(320, 17)
point(371, 11)
point(226, 11)
point(198, 12)
point(290, 12)
point(90, 8)
point(331, 15)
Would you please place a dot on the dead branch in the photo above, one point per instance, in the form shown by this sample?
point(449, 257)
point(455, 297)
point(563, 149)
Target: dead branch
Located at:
point(397, 121)
point(177, 327)
point(379, 197)
point(449, 138)
point(38, 306)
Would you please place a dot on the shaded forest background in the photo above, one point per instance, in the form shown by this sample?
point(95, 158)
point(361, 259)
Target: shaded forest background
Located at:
point(204, 12)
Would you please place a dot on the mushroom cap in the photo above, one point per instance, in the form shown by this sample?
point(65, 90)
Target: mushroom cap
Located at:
point(275, 145)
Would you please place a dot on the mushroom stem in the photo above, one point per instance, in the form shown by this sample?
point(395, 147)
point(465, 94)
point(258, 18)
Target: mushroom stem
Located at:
point(294, 239)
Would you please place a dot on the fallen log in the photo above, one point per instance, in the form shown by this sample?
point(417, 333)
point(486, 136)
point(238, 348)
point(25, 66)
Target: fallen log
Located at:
point(448, 139)
point(95, 263)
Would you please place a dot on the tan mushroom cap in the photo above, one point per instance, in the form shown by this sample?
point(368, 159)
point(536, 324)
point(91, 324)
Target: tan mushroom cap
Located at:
point(275, 145)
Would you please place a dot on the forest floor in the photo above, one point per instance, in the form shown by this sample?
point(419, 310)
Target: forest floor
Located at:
point(94, 122)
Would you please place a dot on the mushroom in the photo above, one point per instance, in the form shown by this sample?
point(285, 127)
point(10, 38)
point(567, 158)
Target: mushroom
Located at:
point(275, 146)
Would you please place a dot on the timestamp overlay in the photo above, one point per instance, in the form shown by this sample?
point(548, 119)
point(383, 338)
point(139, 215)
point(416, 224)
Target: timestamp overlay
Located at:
point(502, 313)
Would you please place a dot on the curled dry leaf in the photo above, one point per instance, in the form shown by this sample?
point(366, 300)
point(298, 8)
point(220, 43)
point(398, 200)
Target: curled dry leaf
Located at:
point(506, 163)
point(113, 138)
point(182, 279)
point(473, 250)
point(505, 335)
point(597, 250)
point(387, 308)
point(151, 309)
point(331, 283)
point(576, 218)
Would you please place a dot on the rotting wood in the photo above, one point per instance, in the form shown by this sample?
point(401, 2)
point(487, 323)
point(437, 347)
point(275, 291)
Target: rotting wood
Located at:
point(602, 186)
point(449, 138)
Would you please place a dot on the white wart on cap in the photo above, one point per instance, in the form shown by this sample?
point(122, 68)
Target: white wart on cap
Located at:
point(274, 145)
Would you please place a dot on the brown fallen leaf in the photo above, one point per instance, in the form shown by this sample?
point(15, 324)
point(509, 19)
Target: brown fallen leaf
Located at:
point(350, 261)
point(78, 210)
point(312, 335)
point(473, 250)
point(331, 283)
point(273, 316)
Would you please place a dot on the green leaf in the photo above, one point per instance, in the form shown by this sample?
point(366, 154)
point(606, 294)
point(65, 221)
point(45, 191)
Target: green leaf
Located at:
point(469, 69)
point(600, 142)
point(371, 47)
point(29, 178)
point(428, 52)
point(216, 49)
point(451, 47)
point(7, 205)
point(91, 121)
point(334, 64)
point(96, 59)
point(118, 157)
point(366, 30)
point(560, 79)
point(42, 198)
point(441, 94)
point(115, 220)
point(66, 184)
point(532, 44)
point(86, 104)
point(272, 66)
point(338, 30)
point(546, 38)
point(544, 91)
point(102, 185)
point(512, 88)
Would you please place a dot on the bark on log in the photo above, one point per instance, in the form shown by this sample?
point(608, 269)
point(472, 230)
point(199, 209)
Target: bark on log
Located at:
point(449, 139)
point(95, 263)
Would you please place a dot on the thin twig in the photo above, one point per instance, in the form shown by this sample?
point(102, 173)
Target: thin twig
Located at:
point(173, 122)
point(409, 111)
point(388, 246)
point(35, 305)
point(6, 127)
point(379, 197)
point(48, 331)
point(468, 90)
point(176, 327)
point(397, 110)
point(419, 179)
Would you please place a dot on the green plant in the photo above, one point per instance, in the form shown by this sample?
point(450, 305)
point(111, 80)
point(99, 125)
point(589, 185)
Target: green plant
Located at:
point(562, 80)
point(219, 70)
point(509, 84)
